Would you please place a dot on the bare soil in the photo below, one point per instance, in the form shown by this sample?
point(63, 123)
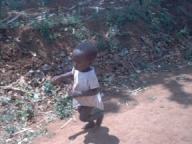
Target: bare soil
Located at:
point(159, 114)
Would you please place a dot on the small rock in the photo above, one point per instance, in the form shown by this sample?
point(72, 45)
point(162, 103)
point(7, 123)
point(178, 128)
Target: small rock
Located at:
point(3, 70)
point(63, 54)
point(39, 74)
point(138, 71)
point(7, 41)
point(9, 37)
point(30, 72)
point(17, 39)
point(123, 52)
point(69, 58)
point(25, 140)
point(46, 67)
point(8, 140)
point(66, 29)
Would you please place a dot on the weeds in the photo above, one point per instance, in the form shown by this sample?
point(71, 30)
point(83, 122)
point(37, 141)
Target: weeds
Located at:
point(44, 27)
point(64, 106)
point(12, 129)
point(166, 20)
point(183, 33)
point(44, 2)
point(120, 17)
point(48, 88)
point(144, 64)
point(156, 2)
point(15, 5)
point(188, 55)
point(73, 21)
point(155, 23)
point(101, 43)
point(81, 33)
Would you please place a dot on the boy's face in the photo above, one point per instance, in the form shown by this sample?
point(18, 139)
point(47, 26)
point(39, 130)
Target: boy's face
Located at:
point(81, 61)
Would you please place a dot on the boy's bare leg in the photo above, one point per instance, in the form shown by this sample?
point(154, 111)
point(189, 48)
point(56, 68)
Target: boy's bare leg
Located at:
point(86, 116)
point(84, 112)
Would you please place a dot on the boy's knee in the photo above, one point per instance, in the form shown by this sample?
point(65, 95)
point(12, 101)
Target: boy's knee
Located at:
point(83, 119)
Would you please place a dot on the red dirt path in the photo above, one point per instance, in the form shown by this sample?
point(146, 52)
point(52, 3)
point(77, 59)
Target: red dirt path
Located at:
point(165, 120)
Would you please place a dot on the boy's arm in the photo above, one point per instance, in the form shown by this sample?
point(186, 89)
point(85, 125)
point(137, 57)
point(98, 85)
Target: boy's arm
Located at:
point(90, 92)
point(62, 77)
point(66, 75)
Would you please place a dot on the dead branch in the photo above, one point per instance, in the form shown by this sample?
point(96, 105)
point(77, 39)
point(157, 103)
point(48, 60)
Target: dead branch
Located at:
point(13, 19)
point(132, 65)
point(167, 56)
point(66, 123)
point(21, 131)
point(14, 88)
point(125, 66)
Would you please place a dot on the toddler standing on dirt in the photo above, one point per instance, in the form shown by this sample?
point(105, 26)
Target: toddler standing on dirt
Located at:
point(85, 91)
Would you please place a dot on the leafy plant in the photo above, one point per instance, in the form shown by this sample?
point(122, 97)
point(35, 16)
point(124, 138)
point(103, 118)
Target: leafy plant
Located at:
point(12, 129)
point(120, 17)
point(27, 112)
point(5, 101)
point(145, 13)
point(181, 9)
point(144, 64)
point(81, 33)
point(166, 21)
point(188, 55)
point(48, 88)
point(156, 2)
point(183, 33)
point(44, 2)
point(101, 43)
point(64, 106)
point(73, 20)
point(165, 66)
point(155, 23)
point(15, 5)
point(2, 25)
point(44, 27)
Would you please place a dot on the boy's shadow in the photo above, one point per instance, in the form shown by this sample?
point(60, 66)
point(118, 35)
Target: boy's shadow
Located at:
point(97, 136)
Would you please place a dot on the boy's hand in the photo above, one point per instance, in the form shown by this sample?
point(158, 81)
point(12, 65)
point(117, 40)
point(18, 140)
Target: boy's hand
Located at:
point(75, 93)
point(55, 79)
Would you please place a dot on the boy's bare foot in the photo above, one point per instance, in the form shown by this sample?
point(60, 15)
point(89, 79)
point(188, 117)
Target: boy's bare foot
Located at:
point(99, 121)
point(89, 125)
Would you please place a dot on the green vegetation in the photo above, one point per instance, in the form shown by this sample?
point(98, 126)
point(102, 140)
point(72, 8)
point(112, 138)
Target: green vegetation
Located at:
point(188, 55)
point(64, 106)
point(48, 88)
point(44, 27)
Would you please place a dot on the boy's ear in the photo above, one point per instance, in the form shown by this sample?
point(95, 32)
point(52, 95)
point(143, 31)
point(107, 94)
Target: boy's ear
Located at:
point(91, 59)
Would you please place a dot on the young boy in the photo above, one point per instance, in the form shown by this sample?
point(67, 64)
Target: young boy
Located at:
point(85, 91)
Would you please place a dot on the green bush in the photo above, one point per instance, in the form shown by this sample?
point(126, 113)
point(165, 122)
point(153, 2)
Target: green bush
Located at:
point(44, 27)
point(64, 106)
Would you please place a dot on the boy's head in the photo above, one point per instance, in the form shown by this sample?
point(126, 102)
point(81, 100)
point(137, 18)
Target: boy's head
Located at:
point(84, 55)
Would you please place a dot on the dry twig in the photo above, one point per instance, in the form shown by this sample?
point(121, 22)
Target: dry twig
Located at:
point(14, 88)
point(21, 131)
point(66, 123)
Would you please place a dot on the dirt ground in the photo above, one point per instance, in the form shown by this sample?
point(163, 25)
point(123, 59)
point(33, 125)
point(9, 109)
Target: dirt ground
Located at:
point(161, 114)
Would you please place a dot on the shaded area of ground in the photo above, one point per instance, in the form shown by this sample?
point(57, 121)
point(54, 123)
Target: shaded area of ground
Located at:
point(162, 115)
